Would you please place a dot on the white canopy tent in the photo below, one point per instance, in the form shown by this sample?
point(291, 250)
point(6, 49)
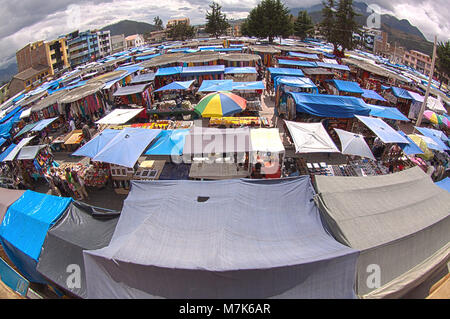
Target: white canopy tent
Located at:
point(354, 144)
point(311, 138)
point(119, 116)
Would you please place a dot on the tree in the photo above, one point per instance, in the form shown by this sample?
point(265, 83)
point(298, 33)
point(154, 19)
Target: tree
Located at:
point(217, 21)
point(303, 26)
point(158, 23)
point(181, 31)
point(326, 27)
point(270, 18)
point(443, 60)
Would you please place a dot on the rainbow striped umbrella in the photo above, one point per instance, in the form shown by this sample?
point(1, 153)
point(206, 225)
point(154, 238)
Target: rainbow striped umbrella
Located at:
point(220, 104)
point(432, 117)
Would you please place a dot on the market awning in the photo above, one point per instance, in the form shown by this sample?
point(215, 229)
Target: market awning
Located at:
point(126, 147)
point(96, 144)
point(81, 92)
point(13, 153)
point(26, 129)
point(409, 149)
point(169, 143)
point(325, 105)
point(354, 144)
point(305, 64)
point(387, 112)
point(333, 66)
point(43, 124)
point(299, 82)
point(202, 70)
point(147, 57)
point(25, 113)
point(131, 89)
point(311, 138)
point(371, 94)
point(304, 55)
point(401, 93)
point(347, 86)
point(29, 152)
point(248, 86)
point(169, 71)
point(416, 97)
point(435, 105)
point(240, 70)
point(216, 85)
point(176, 85)
point(7, 151)
point(143, 78)
point(436, 136)
point(120, 116)
point(386, 133)
point(284, 71)
point(2, 141)
point(266, 140)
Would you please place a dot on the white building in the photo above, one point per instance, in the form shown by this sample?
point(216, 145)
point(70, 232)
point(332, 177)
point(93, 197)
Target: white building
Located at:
point(134, 41)
point(104, 43)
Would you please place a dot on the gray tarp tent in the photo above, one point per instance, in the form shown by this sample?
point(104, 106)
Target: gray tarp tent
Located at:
point(82, 227)
point(7, 197)
point(222, 239)
point(400, 223)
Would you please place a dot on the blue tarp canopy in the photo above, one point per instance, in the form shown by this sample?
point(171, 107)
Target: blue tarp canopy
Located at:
point(7, 151)
point(130, 68)
point(371, 94)
point(95, 145)
point(176, 85)
point(401, 93)
point(306, 64)
point(2, 140)
point(333, 66)
point(324, 105)
point(411, 148)
point(169, 71)
point(43, 124)
point(26, 129)
point(444, 184)
point(109, 84)
point(147, 57)
point(216, 85)
point(201, 70)
point(436, 136)
point(386, 133)
point(304, 55)
point(169, 142)
point(250, 86)
point(241, 70)
point(295, 82)
point(5, 128)
point(10, 114)
point(126, 147)
point(347, 86)
point(285, 71)
point(25, 226)
point(387, 112)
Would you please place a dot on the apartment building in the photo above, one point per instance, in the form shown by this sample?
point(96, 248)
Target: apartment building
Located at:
point(418, 60)
point(83, 47)
point(118, 43)
point(104, 43)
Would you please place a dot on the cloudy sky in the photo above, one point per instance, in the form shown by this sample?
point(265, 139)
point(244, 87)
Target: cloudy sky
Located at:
point(31, 20)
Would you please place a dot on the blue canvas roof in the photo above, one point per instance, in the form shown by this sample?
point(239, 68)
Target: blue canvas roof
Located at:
point(324, 105)
point(347, 86)
point(295, 82)
point(130, 68)
point(333, 66)
point(304, 55)
point(298, 63)
point(216, 85)
point(43, 124)
point(254, 85)
point(401, 93)
point(240, 70)
point(386, 133)
point(371, 94)
point(411, 148)
point(435, 135)
point(204, 69)
point(5, 128)
point(444, 184)
point(169, 71)
point(147, 57)
point(126, 147)
point(176, 85)
point(285, 71)
point(387, 112)
point(168, 142)
point(2, 140)
point(95, 145)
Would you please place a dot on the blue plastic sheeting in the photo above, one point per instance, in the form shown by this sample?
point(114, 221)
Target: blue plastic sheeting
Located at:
point(295, 82)
point(386, 133)
point(216, 85)
point(177, 85)
point(347, 86)
point(444, 184)
point(147, 57)
point(2, 140)
point(333, 66)
point(371, 94)
point(126, 147)
point(5, 128)
point(240, 70)
point(10, 114)
point(324, 105)
point(169, 142)
point(7, 151)
point(200, 70)
point(307, 64)
point(304, 55)
point(250, 86)
point(130, 68)
point(169, 71)
point(94, 146)
point(411, 148)
point(12, 279)
point(401, 93)
point(387, 112)
point(436, 136)
point(25, 226)
point(328, 55)
point(285, 71)
point(43, 124)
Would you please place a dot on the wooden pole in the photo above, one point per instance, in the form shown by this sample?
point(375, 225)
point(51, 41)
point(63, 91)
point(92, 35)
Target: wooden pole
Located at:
point(427, 93)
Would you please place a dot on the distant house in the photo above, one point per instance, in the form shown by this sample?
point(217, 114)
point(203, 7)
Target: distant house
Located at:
point(28, 79)
point(173, 22)
point(157, 36)
point(134, 41)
